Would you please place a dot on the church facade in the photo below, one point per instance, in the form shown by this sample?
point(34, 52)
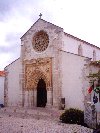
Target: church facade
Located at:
point(51, 71)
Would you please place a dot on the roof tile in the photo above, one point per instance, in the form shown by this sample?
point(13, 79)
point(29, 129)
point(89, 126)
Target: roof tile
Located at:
point(2, 73)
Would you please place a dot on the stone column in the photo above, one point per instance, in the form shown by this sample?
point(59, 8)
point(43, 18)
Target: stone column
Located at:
point(26, 99)
point(21, 77)
point(35, 97)
point(49, 97)
point(31, 100)
point(6, 88)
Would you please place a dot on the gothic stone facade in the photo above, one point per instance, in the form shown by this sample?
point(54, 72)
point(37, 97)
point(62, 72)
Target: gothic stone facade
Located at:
point(47, 53)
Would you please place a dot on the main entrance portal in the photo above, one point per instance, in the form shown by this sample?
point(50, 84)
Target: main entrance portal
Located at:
point(41, 93)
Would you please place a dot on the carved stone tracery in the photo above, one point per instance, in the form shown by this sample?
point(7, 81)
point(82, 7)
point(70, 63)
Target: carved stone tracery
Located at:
point(35, 70)
point(40, 41)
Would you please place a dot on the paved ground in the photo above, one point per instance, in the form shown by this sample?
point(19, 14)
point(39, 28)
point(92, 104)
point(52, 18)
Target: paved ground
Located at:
point(35, 121)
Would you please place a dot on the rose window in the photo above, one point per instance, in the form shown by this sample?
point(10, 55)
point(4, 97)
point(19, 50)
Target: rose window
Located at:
point(40, 41)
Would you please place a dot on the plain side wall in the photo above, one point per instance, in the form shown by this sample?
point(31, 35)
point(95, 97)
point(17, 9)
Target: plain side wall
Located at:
point(14, 83)
point(71, 45)
point(72, 66)
point(1, 90)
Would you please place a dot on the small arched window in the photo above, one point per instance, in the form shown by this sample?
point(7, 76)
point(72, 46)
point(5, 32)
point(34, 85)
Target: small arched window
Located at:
point(94, 55)
point(80, 50)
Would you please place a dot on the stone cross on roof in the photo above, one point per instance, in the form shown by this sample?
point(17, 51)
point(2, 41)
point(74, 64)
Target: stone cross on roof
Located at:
point(40, 15)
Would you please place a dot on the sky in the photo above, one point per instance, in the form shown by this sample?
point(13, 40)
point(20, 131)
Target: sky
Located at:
point(80, 18)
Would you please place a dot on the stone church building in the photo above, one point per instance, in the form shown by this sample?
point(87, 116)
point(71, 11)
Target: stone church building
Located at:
point(52, 69)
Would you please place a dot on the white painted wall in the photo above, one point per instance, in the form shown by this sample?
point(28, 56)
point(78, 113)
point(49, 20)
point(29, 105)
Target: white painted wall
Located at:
point(1, 90)
point(71, 45)
point(14, 83)
point(72, 86)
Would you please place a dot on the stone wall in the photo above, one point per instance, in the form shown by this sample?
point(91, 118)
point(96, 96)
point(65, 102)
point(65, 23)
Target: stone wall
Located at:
point(52, 51)
point(92, 110)
point(2, 89)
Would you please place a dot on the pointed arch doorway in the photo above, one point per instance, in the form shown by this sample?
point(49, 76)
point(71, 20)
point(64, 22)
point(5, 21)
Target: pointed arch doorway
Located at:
point(41, 93)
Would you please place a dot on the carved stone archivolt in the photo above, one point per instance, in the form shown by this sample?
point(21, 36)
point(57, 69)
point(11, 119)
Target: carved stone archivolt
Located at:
point(38, 69)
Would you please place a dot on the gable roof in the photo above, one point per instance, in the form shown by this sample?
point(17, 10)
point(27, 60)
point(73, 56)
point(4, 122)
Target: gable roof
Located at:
point(2, 73)
point(12, 63)
point(69, 35)
point(43, 21)
point(78, 39)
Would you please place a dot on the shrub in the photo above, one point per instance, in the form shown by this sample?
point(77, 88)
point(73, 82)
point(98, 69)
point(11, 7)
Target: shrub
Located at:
point(73, 116)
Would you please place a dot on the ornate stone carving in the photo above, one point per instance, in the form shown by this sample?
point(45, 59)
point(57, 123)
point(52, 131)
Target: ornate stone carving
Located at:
point(40, 41)
point(35, 70)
